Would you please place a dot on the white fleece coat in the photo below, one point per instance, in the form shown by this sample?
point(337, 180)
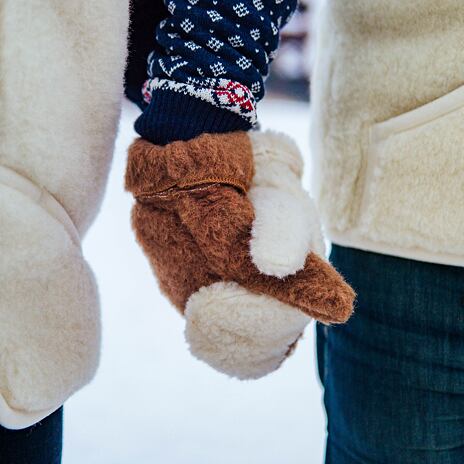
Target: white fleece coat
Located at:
point(61, 70)
point(388, 126)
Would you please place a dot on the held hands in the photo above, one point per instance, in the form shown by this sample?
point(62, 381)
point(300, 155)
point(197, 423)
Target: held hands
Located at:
point(236, 245)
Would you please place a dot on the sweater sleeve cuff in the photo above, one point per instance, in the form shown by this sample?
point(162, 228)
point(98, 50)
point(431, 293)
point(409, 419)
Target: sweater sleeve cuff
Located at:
point(178, 111)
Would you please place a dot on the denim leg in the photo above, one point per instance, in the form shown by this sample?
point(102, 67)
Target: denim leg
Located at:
point(39, 444)
point(394, 375)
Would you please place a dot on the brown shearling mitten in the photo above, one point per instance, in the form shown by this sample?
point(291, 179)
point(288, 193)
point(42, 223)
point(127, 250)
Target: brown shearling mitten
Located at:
point(232, 238)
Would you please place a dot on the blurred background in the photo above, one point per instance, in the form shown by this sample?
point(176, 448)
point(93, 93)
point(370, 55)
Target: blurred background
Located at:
point(291, 69)
point(151, 401)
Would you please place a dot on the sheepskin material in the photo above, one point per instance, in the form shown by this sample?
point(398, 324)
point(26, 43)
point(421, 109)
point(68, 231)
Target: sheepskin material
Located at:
point(61, 68)
point(49, 313)
point(240, 333)
point(154, 169)
point(286, 225)
point(387, 131)
point(198, 236)
point(61, 72)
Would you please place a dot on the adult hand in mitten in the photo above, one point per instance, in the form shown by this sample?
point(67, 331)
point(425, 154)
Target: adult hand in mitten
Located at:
point(234, 242)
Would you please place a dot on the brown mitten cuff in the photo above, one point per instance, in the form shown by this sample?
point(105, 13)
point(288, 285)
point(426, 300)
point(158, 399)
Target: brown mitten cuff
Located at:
point(225, 159)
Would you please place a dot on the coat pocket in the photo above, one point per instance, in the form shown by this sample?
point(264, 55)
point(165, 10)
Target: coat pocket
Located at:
point(414, 185)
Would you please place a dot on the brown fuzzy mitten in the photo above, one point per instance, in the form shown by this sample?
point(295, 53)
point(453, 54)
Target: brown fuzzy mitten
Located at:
point(211, 216)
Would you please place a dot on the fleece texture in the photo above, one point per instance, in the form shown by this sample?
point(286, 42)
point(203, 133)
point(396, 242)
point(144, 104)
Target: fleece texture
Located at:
point(286, 225)
point(50, 328)
point(61, 68)
point(198, 234)
point(61, 71)
point(387, 131)
point(154, 170)
point(240, 333)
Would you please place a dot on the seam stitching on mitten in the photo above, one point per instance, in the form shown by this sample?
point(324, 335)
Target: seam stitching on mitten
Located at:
point(190, 185)
point(42, 197)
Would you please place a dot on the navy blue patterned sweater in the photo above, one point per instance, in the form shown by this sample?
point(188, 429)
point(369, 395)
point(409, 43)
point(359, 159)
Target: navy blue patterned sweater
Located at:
point(206, 71)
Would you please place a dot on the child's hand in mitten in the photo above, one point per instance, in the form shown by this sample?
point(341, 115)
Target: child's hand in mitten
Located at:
point(234, 241)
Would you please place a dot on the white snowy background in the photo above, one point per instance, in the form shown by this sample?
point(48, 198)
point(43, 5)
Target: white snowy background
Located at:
point(151, 401)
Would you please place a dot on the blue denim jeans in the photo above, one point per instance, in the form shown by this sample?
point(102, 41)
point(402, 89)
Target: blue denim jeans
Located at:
point(39, 444)
point(394, 374)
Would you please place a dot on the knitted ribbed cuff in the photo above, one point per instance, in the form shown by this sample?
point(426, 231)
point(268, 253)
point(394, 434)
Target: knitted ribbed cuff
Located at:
point(173, 116)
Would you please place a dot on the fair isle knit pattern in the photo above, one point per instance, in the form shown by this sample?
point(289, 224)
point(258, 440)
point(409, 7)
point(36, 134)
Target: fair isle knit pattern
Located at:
point(222, 93)
point(234, 39)
point(217, 53)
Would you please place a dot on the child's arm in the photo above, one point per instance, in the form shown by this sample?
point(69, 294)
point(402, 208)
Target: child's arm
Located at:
point(205, 74)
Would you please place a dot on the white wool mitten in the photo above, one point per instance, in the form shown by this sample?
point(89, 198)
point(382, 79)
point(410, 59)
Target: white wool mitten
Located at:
point(61, 70)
